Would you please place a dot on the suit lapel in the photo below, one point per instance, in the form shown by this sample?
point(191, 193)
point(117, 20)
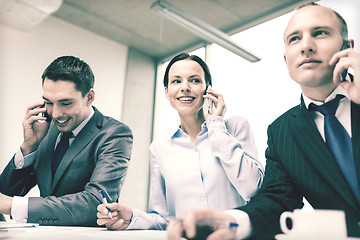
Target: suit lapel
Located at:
point(309, 139)
point(82, 139)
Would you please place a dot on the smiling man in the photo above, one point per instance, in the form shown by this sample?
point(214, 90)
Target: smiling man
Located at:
point(71, 154)
point(314, 148)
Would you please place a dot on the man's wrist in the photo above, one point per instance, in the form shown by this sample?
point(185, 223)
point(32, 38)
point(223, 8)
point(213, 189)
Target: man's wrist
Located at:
point(26, 150)
point(242, 218)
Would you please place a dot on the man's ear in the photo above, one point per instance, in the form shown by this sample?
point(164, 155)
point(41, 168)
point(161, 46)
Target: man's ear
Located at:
point(90, 96)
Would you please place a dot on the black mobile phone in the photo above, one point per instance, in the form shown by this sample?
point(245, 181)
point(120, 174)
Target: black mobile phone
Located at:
point(48, 117)
point(346, 45)
point(202, 232)
point(45, 114)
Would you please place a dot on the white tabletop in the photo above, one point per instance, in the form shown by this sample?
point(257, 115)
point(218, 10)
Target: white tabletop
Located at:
point(78, 233)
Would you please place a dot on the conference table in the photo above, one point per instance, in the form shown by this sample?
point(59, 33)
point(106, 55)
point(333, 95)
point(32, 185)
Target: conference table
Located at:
point(27, 232)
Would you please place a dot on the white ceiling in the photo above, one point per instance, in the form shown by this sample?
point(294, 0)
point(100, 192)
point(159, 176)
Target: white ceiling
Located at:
point(132, 23)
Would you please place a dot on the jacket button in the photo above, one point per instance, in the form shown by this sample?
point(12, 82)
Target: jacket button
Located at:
point(56, 221)
point(40, 221)
point(51, 221)
point(45, 221)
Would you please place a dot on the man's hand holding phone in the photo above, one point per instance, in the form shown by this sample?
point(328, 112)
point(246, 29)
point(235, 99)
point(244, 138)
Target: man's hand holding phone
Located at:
point(342, 61)
point(215, 104)
point(191, 225)
point(35, 127)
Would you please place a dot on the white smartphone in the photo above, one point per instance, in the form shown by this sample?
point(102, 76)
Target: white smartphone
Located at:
point(208, 107)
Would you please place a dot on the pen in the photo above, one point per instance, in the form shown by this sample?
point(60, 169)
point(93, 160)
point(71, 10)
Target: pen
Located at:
point(105, 202)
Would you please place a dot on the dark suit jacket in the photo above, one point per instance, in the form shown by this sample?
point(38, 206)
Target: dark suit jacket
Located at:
point(299, 165)
point(97, 159)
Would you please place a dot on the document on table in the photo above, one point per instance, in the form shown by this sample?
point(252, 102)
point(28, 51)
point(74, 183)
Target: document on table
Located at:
point(8, 225)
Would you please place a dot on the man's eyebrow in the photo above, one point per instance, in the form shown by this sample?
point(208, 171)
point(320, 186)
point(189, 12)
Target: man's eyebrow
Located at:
point(323, 27)
point(65, 100)
point(61, 100)
point(291, 34)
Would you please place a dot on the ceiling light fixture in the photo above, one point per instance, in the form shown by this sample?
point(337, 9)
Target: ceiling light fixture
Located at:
point(200, 28)
point(25, 14)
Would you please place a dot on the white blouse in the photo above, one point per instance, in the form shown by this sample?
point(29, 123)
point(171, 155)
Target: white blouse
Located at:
point(220, 170)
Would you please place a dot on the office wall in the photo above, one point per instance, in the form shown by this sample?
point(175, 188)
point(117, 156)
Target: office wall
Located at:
point(138, 114)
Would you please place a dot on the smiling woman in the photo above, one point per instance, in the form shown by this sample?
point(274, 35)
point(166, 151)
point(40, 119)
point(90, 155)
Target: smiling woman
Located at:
point(208, 161)
point(186, 87)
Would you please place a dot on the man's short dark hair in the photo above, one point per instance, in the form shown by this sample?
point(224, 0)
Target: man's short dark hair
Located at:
point(70, 68)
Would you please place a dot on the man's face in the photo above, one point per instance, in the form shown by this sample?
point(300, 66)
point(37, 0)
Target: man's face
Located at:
point(311, 38)
point(66, 105)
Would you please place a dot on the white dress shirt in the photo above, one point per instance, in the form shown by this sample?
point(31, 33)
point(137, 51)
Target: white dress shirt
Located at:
point(343, 114)
point(19, 207)
point(220, 170)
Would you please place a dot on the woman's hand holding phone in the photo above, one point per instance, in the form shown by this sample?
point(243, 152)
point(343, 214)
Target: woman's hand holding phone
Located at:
point(35, 127)
point(216, 104)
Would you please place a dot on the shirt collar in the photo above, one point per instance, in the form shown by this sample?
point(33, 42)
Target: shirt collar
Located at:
point(338, 90)
point(83, 123)
point(178, 132)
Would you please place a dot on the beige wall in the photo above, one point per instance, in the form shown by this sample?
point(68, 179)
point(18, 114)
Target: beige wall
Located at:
point(138, 114)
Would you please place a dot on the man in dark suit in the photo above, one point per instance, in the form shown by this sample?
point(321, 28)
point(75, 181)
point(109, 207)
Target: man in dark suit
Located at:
point(70, 157)
point(300, 159)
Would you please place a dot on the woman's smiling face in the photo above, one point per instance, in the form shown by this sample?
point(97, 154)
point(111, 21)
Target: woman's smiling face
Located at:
point(186, 87)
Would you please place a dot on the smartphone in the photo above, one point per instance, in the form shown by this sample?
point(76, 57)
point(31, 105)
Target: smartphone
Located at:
point(48, 117)
point(202, 232)
point(45, 114)
point(207, 106)
point(345, 45)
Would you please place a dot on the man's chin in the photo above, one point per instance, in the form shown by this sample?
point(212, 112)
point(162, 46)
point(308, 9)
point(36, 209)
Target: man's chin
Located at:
point(64, 128)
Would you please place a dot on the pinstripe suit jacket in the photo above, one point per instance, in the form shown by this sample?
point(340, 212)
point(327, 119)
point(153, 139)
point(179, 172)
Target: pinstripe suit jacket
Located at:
point(300, 165)
point(97, 159)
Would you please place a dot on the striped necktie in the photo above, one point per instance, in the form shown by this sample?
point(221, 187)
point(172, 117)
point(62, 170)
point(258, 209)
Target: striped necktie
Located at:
point(339, 142)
